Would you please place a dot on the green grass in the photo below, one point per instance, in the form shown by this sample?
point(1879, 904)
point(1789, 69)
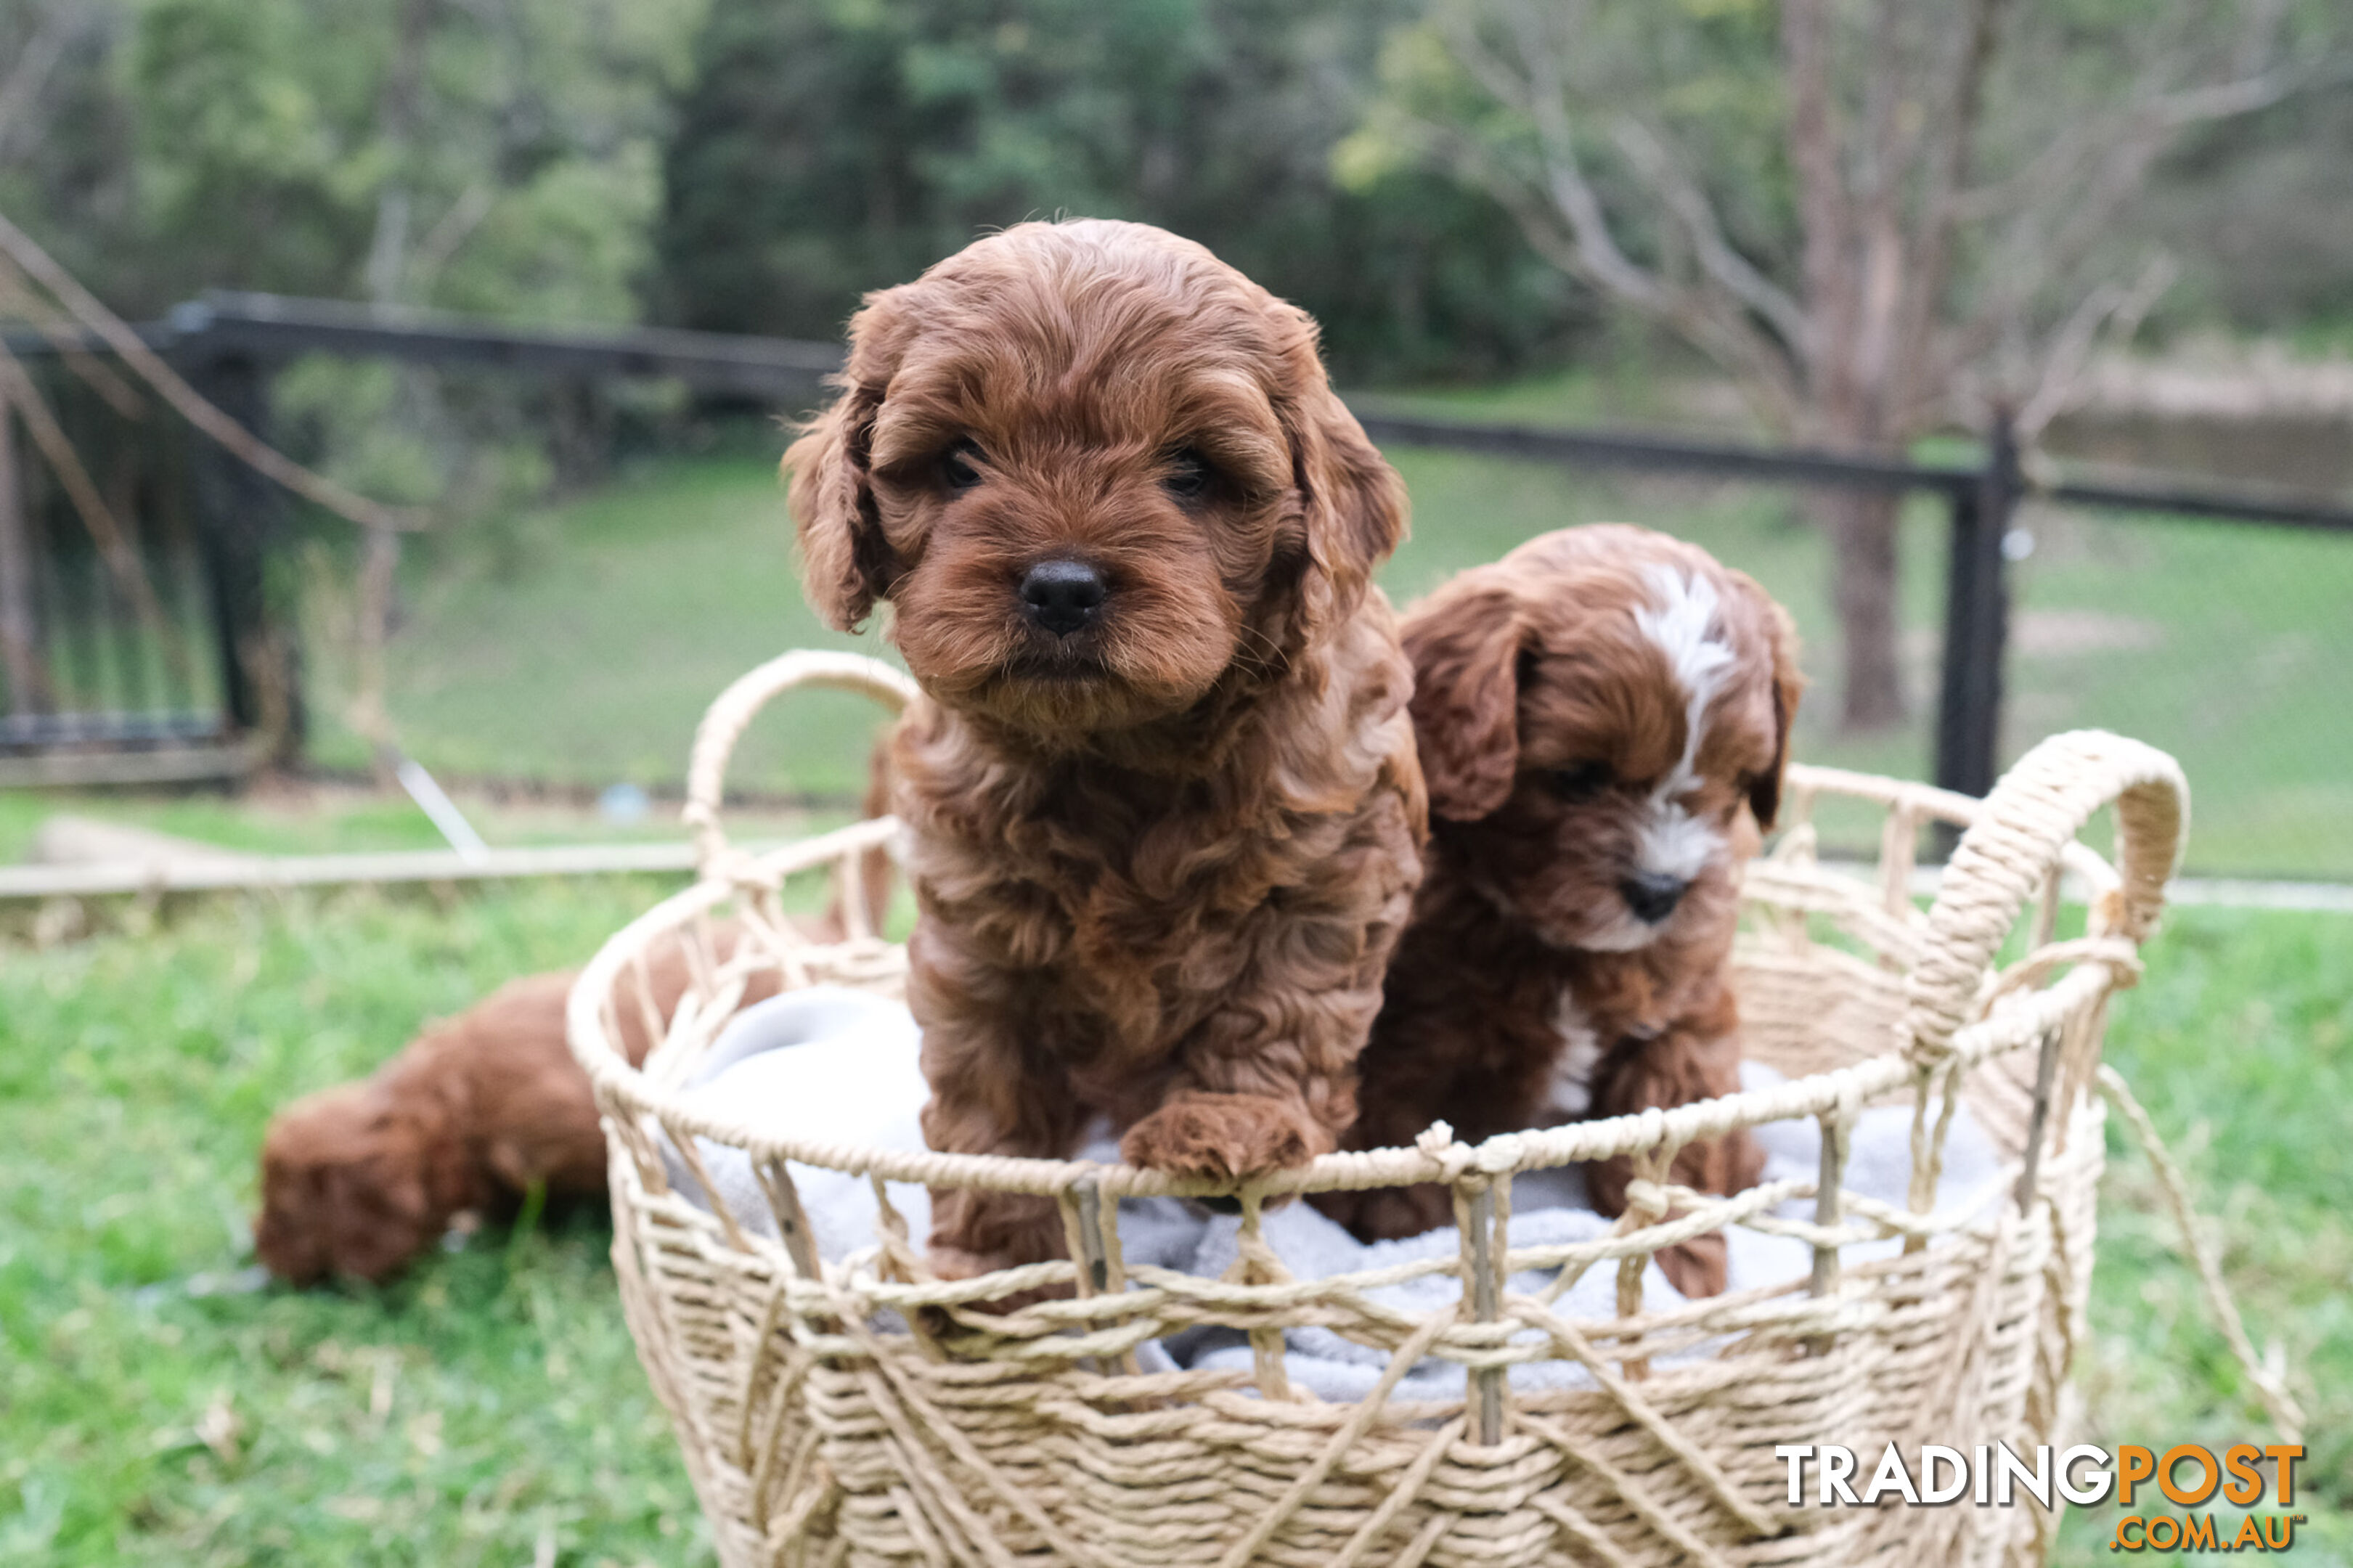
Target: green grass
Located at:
point(585, 655)
point(358, 822)
point(2220, 643)
point(589, 657)
point(491, 1401)
point(323, 820)
point(455, 1417)
point(2240, 1043)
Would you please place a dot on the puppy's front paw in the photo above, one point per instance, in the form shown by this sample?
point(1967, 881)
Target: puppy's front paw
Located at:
point(1223, 1137)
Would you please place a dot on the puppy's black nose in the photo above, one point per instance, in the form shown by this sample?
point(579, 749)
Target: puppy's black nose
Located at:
point(1063, 595)
point(1652, 895)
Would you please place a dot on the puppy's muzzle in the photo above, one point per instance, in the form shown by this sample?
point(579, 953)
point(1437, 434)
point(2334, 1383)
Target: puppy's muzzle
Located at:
point(1063, 597)
point(1651, 895)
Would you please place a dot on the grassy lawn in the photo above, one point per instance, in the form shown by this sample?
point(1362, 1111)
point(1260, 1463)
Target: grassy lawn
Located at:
point(492, 1396)
point(585, 653)
point(2240, 1043)
point(309, 819)
point(589, 658)
point(489, 1408)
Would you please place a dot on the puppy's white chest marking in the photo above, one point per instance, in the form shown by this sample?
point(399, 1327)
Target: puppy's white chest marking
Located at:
point(1682, 623)
point(1572, 1094)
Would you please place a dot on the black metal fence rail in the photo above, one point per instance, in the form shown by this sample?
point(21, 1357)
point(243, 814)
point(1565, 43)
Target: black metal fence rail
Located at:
point(270, 327)
point(101, 725)
point(1981, 502)
point(230, 343)
point(1801, 466)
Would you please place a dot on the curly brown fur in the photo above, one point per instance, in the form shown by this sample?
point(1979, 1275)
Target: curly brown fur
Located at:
point(1162, 846)
point(359, 1179)
point(1539, 980)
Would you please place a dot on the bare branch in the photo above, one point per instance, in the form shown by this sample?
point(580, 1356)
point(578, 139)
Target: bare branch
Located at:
point(1766, 378)
point(1681, 196)
point(193, 407)
point(2153, 112)
point(19, 299)
point(2229, 99)
point(2034, 255)
point(2107, 312)
point(18, 391)
point(1878, 163)
point(2082, 180)
point(1506, 86)
point(1564, 175)
point(367, 714)
point(1576, 233)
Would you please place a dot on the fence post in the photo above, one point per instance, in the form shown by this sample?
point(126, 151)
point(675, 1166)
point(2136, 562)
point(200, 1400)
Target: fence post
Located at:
point(1977, 618)
point(20, 629)
point(237, 512)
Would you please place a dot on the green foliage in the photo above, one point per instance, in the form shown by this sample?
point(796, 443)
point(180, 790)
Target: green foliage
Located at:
point(189, 144)
point(271, 133)
point(832, 148)
point(503, 160)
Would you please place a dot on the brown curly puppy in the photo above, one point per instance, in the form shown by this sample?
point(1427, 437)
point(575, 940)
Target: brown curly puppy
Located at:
point(358, 1179)
point(1165, 815)
point(1604, 718)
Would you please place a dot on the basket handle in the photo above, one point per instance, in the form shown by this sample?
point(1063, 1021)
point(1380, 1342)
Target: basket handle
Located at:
point(2033, 815)
point(724, 721)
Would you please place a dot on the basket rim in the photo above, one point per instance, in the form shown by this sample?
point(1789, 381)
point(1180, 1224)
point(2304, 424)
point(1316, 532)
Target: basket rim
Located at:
point(2012, 838)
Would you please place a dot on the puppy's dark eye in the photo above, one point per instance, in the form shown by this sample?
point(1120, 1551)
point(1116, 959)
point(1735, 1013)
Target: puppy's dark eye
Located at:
point(957, 469)
point(1190, 475)
point(1580, 783)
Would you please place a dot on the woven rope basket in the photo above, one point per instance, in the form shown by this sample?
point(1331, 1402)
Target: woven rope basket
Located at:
point(863, 1413)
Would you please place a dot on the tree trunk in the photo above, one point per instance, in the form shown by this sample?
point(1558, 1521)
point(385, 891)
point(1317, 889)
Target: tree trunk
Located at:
point(1862, 536)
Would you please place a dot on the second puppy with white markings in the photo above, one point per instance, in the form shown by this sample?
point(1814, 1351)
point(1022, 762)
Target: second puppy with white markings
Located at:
point(1603, 718)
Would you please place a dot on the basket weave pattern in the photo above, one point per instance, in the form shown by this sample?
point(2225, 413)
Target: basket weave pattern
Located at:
point(863, 1413)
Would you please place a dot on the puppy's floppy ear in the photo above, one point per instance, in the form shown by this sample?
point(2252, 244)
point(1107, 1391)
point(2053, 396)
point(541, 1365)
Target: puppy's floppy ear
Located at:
point(833, 509)
point(1354, 502)
point(1465, 647)
point(846, 563)
point(1788, 685)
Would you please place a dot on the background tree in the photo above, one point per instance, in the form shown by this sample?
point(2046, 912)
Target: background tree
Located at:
point(828, 148)
point(1878, 216)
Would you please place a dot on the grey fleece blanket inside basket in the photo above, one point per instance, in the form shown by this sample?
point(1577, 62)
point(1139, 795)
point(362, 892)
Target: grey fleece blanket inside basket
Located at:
point(839, 1065)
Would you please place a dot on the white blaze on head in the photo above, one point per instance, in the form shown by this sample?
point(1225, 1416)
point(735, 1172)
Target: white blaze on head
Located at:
point(1681, 622)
